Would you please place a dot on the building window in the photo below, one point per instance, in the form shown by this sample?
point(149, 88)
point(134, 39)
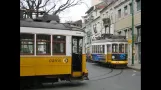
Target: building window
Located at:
point(125, 33)
point(125, 10)
point(106, 13)
point(119, 13)
point(139, 34)
point(43, 43)
point(26, 44)
point(96, 12)
point(130, 8)
point(59, 43)
point(138, 5)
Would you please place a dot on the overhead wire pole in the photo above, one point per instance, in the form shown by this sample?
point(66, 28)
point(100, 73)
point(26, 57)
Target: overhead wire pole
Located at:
point(132, 33)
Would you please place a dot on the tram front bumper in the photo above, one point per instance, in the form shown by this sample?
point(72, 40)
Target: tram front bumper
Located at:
point(119, 62)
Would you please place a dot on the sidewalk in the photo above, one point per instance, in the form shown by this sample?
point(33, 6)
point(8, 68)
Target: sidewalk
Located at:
point(136, 66)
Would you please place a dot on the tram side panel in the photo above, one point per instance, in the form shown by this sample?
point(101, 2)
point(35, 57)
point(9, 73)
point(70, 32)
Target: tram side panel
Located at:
point(46, 65)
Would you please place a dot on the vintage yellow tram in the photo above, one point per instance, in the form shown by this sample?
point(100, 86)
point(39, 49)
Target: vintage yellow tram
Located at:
point(50, 52)
point(111, 51)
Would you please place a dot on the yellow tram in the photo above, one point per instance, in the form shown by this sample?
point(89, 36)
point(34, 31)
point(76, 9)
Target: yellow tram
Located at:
point(51, 52)
point(111, 51)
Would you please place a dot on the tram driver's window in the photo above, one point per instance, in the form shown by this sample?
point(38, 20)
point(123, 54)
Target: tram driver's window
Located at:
point(27, 44)
point(43, 44)
point(59, 44)
point(114, 48)
point(121, 48)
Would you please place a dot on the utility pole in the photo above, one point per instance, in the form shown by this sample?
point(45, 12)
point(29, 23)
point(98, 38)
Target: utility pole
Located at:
point(132, 32)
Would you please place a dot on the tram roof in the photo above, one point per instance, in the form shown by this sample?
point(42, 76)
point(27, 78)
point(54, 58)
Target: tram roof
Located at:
point(61, 26)
point(110, 40)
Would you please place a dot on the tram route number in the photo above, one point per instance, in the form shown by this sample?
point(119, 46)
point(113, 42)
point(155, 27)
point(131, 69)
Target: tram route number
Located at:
point(54, 60)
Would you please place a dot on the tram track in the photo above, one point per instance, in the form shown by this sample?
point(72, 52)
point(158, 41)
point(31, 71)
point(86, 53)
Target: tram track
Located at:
point(111, 70)
point(110, 76)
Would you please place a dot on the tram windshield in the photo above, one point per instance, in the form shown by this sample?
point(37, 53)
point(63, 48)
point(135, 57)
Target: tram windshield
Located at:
point(121, 48)
point(114, 48)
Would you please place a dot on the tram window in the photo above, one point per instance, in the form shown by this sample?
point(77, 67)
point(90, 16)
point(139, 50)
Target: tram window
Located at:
point(114, 48)
point(43, 44)
point(108, 48)
point(59, 44)
point(80, 45)
point(26, 44)
point(93, 49)
point(103, 49)
point(126, 48)
point(121, 48)
point(98, 48)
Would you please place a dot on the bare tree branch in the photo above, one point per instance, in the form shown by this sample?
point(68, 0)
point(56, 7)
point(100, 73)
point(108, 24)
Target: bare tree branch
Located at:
point(68, 4)
point(51, 8)
point(44, 4)
point(35, 5)
point(22, 5)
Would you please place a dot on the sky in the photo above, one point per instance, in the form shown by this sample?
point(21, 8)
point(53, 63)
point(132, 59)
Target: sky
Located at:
point(75, 13)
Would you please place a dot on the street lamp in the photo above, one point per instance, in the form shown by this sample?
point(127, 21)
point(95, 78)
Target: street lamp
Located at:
point(132, 33)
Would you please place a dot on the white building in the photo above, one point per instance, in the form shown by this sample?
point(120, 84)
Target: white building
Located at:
point(119, 11)
point(93, 23)
point(108, 12)
point(95, 2)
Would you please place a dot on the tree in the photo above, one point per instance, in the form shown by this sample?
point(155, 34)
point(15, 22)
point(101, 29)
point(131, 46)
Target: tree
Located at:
point(55, 6)
point(108, 1)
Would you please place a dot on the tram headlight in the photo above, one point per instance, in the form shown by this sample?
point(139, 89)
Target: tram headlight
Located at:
point(113, 57)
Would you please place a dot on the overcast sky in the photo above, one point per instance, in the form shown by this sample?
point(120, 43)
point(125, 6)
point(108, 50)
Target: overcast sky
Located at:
point(75, 13)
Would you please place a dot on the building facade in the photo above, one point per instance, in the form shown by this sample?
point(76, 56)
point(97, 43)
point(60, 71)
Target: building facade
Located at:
point(120, 14)
point(93, 23)
point(123, 25)
point(95, 2)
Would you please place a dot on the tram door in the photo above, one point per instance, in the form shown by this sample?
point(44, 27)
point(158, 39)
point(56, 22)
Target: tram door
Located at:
point(77, 44)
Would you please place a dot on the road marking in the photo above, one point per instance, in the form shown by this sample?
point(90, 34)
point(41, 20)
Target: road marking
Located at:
point(134, 71)
point(133, 74)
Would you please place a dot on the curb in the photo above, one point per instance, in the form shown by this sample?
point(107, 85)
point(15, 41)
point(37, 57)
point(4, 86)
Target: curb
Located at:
point(134, 68)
